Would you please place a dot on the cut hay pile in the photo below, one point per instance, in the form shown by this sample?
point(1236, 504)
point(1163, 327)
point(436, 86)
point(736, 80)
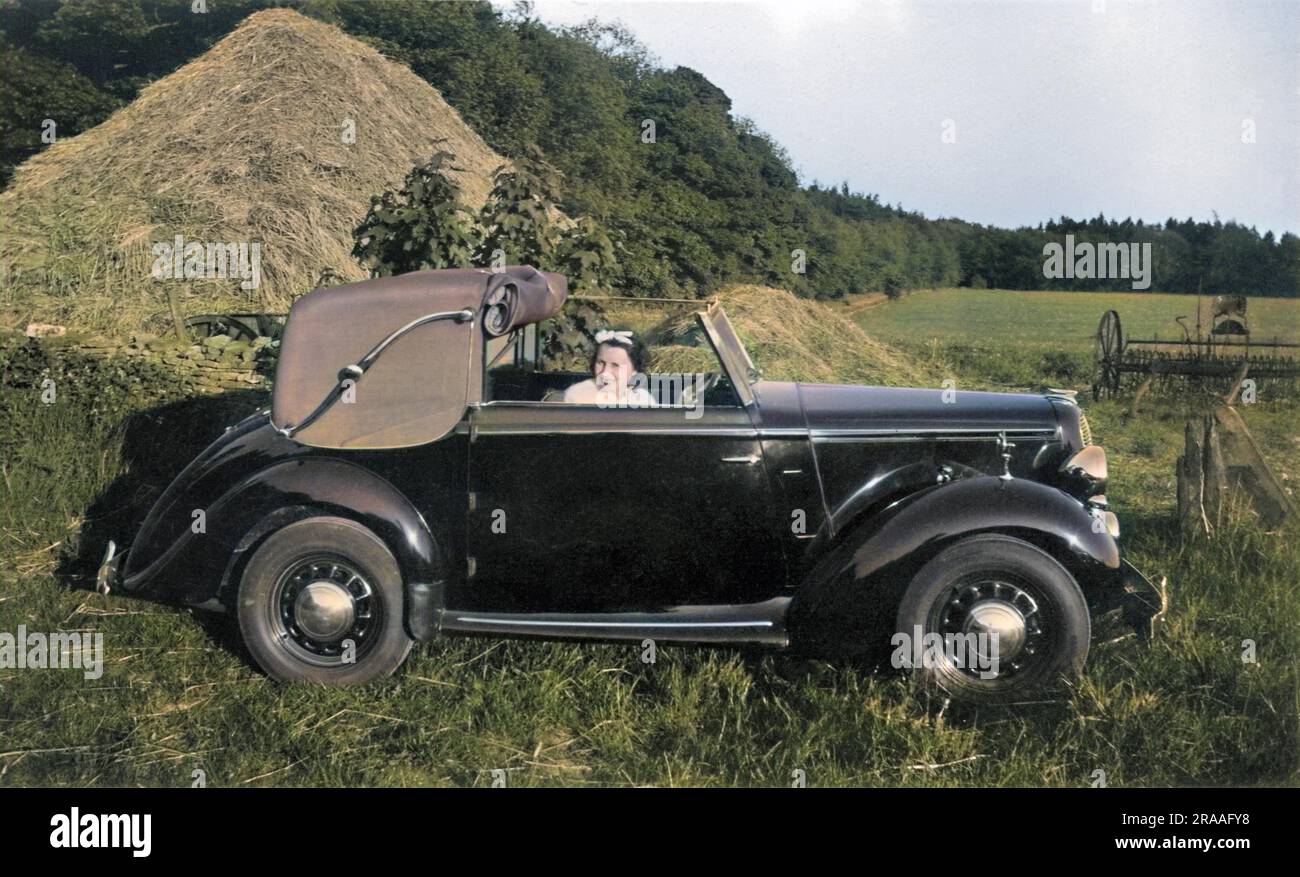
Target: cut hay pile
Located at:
point(246, 144)
point(793, 339)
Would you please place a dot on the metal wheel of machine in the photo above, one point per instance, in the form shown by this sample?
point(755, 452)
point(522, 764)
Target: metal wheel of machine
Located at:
point(1110, 353)
point(208, 325)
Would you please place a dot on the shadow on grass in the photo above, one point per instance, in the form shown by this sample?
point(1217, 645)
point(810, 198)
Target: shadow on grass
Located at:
point(157, 444)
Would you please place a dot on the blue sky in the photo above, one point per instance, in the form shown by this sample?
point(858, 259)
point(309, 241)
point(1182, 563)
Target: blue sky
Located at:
point(1131, 109)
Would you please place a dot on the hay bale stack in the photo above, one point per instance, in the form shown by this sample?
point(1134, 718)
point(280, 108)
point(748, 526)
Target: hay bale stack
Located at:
point(244, 144)
point(793, 339)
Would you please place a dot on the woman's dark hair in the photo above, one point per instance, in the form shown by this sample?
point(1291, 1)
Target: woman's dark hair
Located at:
point(636, 351)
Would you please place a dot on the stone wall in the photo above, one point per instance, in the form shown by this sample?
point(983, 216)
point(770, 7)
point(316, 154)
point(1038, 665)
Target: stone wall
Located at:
point(213, 365)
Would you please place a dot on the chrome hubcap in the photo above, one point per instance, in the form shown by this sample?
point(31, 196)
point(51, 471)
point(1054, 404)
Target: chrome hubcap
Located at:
point(1004, 613)
point(324, 611)
point(999, 620)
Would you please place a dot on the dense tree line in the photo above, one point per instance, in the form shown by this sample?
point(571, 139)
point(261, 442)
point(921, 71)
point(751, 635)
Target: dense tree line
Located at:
point(696, 195)
point(1186, 256)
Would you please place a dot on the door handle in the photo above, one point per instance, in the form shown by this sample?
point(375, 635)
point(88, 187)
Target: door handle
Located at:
point(748, 461)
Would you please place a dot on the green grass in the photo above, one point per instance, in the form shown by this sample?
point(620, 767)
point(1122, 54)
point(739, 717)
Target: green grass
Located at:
point(997, 318)
point(1023, 340)
point(177, 696)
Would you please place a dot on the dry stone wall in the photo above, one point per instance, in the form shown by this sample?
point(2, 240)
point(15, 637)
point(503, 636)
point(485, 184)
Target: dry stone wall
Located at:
point(205, 366)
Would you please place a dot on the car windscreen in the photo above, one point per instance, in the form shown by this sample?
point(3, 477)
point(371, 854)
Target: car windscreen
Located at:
point(731, 344)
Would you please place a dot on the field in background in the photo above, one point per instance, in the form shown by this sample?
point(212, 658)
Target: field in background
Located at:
point(997, 318)
point(177, 696)
point(1025, 340)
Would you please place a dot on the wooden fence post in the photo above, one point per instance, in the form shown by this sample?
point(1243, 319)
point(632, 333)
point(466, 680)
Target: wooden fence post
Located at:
point(173, 303)
point(1215, 495)
point(1191, 480)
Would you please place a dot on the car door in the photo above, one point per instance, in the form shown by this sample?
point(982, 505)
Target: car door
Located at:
point(587, 509)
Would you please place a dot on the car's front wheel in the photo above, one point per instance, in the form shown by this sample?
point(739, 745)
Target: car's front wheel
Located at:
point(992, 619)
point(321, 601)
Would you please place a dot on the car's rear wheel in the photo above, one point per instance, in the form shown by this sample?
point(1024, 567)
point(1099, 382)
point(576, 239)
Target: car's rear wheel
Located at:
point(321, 601)
point(994, 620)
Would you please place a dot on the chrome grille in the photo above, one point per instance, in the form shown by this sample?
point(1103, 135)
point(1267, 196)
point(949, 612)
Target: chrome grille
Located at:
point(1084, 429)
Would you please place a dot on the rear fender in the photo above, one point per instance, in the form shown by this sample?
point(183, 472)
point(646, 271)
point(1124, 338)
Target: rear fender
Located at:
point(202, 569)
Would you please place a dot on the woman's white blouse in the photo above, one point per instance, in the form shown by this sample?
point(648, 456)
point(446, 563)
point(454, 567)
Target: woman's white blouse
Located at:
point(585, 393)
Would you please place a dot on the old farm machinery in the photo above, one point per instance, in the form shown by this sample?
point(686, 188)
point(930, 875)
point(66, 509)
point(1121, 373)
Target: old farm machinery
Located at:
point(1228, 352)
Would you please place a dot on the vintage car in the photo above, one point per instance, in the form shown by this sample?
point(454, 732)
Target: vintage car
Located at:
point(415, 476)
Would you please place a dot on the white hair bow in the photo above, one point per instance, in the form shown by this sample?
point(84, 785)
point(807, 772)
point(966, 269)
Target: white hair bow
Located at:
point(610, 335)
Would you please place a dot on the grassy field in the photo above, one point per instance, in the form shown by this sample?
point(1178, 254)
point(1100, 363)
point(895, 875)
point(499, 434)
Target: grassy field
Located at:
point(177, 696)
point(1055, 320)
point(1020, 340)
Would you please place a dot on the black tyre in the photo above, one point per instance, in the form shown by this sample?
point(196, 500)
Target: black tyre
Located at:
point(321, 601)
point(1028, 618)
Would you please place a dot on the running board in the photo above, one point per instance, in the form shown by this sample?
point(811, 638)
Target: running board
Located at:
point(752, 623)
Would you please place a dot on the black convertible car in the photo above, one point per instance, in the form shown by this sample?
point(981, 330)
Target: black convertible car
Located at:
point(415, 477)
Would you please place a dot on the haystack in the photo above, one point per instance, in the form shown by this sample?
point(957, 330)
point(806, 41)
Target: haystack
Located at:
point(246, 144)
point(794, 339)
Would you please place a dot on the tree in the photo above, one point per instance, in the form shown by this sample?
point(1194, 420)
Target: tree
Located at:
point(33, 89)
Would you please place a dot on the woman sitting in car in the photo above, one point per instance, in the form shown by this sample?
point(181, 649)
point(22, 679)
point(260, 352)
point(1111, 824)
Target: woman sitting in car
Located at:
point(617, 373)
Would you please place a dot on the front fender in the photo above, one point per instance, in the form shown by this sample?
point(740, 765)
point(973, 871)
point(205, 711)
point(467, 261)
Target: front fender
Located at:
point(855, 589)
point(199, 568)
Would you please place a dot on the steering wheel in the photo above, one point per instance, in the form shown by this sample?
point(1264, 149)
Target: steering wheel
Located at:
point(689, 392)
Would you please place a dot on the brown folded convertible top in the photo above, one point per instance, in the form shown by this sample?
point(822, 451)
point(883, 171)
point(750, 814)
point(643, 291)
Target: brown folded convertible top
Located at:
point(392, 362)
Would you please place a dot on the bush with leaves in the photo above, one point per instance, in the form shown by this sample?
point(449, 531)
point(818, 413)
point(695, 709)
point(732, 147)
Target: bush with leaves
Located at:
point(523, 226)
point(421, 226)
point(568, 338)
point(588, 256)
point(520, 221)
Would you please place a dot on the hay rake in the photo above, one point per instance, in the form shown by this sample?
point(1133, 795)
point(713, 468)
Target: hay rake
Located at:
point(1223, 355)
